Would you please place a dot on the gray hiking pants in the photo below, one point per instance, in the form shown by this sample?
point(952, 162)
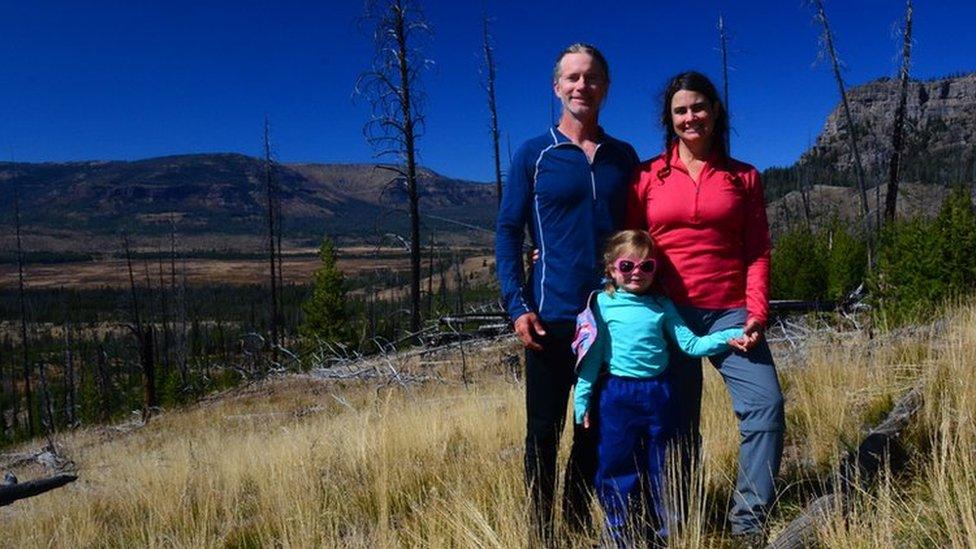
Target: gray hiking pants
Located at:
point(758, 404)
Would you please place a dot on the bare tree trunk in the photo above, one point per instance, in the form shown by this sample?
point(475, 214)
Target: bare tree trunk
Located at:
point(723, 37)
point(897, 138)
point(430, 278)
point(144, 335)
point(47, 412)
point(460, 283)
point(179, 306)
point(3, 403)
point(804, 196)
point(492, 105)
point(22, 299)
point(104, 384)
point(396, 115)
point(409, 140)
point(164, 319)
point(281, 278)
point(70, 394)
point(273, 271)
point(851, 128)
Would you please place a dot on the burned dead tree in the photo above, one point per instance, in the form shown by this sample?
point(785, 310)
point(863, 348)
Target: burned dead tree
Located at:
point(11, 490)
point(274, 241)
point(724, 42)
point(857, 470)
point(828, 42)
point(178, 292)
point(70, 390)
point(898, 132)
point(144, 337)
point(22, 303)
point(489, 72)
point(391, 85)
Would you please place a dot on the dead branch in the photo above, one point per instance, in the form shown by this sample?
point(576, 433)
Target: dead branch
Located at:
point(857, 470)
point(14, 491)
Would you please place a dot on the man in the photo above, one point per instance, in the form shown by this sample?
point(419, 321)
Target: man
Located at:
point(568, 186)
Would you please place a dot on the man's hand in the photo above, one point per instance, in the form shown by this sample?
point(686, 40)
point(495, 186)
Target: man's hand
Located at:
point(586, 420)
point(753, 333)
point(528, 328)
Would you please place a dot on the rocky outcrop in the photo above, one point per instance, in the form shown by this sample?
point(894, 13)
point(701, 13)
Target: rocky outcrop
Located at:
point(941, 117)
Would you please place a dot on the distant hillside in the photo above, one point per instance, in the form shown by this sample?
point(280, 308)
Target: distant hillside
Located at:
point(940, 138)
point(222, 194)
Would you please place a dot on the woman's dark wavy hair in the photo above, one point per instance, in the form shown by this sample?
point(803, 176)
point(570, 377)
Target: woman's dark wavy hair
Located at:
point(696, 82)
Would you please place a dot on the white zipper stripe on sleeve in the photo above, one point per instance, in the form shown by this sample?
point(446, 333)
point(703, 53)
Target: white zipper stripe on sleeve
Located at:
point(538, 221)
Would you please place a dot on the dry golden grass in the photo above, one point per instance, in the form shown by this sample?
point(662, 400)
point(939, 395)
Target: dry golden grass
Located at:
point(934, 504)
point(305, 463)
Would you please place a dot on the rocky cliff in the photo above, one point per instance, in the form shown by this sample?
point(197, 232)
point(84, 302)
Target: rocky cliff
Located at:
point(940, 131)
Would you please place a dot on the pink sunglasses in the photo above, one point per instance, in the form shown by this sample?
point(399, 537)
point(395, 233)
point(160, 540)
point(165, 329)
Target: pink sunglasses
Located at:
point(627, 265)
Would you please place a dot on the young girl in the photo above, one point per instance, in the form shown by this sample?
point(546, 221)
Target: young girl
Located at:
point(622, 332)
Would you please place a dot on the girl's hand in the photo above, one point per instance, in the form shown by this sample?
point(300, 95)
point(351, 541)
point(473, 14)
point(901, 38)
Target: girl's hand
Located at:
point(535, 256)
point(586, 420)
point(738, 343)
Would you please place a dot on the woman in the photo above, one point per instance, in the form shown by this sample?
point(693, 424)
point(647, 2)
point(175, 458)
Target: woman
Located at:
point(706, 213)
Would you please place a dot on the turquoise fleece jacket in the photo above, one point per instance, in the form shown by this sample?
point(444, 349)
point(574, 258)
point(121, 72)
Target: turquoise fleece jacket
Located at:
point(631, 340)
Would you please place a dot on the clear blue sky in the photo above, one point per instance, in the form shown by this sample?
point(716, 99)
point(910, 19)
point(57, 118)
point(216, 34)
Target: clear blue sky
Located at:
point(128, 80)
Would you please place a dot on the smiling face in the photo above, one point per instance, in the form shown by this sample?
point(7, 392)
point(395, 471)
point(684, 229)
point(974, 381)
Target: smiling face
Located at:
point(640, 273)
point(581, 85)
point(693, 117)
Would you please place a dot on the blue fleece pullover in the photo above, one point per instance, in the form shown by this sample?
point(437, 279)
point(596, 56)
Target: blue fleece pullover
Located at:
point(570, 206)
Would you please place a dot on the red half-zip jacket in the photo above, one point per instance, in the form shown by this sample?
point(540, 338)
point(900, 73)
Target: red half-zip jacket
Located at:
point(712, 235)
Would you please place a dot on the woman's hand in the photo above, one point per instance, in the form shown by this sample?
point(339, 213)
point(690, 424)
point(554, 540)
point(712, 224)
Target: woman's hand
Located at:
point(586, 420)
point(738, 343)
point(753, 333)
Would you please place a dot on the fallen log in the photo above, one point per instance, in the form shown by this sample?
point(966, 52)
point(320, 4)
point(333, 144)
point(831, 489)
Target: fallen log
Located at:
point(858, 469)
point(10, 493)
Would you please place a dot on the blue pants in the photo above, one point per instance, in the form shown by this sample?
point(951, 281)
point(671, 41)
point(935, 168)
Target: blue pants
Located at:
point(758, 405)
point(634, 425)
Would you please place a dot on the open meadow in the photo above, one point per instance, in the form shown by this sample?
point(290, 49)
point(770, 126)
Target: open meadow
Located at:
point(414, 457)
point(297, 267)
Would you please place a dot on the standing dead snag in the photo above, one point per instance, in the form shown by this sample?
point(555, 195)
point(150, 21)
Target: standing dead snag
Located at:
point(724, 40)
point(274, 239)
point(897, 136)
point(828, 42)
point(392, 86)
point(489, 69)
point(22, 301)
point(179, 306)
point(144, 337)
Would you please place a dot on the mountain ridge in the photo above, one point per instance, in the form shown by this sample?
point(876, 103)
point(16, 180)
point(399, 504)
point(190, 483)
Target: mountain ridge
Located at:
point(223, 193)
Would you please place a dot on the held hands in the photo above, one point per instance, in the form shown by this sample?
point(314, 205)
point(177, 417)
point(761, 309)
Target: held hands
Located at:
point(752, 334)
point(528, 328)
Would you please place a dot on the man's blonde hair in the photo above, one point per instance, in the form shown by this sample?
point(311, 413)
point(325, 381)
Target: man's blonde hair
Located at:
point(582, 47)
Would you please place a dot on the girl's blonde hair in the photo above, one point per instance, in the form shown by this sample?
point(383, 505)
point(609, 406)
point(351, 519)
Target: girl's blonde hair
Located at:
point(635, 243)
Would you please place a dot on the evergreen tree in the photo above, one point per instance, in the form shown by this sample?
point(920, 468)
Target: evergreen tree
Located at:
point(846, 261)
point(326, 316)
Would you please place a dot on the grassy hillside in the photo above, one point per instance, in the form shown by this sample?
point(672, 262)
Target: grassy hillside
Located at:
point(308, 462)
